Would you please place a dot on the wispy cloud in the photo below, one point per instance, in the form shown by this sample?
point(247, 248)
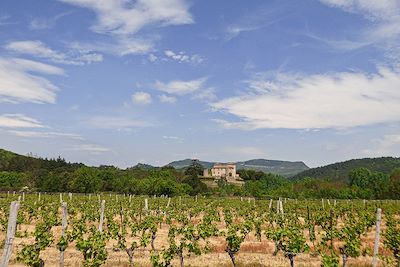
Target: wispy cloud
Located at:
point(256, 19)
point(19, 121)
point(244, 150)
point(387, 145)
point(182, 57)
point(19, 84)
point(91, 148)
point(179, 87)
point(117, 123)
point(384, 17)
point(167, 99)
point(40, 50)
point(44, 134)
point(336, 100)
point(207, 94)
point(173, 138)
point(123, 21)
point(46, 23)
point(121, 47)
point(343, 45)
point(235, 30)
point(141, 98)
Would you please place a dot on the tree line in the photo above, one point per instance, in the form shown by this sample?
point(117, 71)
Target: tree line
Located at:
point(56, 175)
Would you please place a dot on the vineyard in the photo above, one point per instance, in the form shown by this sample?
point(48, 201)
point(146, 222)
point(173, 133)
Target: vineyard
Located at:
point(128, 230)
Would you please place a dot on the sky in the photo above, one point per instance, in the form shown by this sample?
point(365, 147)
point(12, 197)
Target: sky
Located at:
point(151, 81)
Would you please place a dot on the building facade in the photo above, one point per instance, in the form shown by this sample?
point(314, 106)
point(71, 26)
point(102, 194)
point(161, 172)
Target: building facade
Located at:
point(222, 170)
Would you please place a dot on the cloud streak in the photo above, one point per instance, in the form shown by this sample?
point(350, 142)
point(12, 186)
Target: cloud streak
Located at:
point(40, 50)
point(19, 121)
point(180, 87)
point(20, 82)
point(38, 134)
point(346, 99)
point(384, 30)
point(167, 99)
point(91, 148)
point(117, 123)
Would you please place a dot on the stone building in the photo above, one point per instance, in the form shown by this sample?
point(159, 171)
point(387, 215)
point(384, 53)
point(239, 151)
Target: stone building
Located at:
point(222, 170)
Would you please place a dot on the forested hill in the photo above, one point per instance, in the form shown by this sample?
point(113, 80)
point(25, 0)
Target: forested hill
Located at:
point(10, 161)
point(284, 168)
point(340, 171)
point(370, 178)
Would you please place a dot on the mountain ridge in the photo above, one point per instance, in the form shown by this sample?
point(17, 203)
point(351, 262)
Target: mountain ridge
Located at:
point(281, 167)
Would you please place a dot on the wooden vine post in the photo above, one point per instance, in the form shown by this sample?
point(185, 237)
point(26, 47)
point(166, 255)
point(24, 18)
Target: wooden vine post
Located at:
point(63, 228)
point(12, 225)
point(377, 237)
point(103, 206)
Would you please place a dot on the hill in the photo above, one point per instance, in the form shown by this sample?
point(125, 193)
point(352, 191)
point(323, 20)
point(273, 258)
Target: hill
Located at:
point(340, 171)
point(143, 166)
point(284, 168)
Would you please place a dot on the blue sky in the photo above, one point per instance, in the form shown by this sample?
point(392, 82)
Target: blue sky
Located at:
point(121, 82)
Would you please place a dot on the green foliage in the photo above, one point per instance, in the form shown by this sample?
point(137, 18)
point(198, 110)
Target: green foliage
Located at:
point(93, 248)
point(392, 237)
point(394, 183)
point(195, 168)
point(86, 180)
point(340, 171)
point(330, 260)
point(364, 179)
point(11, 180)
point(30, 255)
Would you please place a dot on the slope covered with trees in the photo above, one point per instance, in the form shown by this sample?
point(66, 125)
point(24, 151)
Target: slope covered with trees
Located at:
point(340, 171)
point(56, 175)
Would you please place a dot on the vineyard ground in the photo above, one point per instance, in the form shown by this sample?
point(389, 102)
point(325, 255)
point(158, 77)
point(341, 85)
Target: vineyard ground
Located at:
point(253, 253)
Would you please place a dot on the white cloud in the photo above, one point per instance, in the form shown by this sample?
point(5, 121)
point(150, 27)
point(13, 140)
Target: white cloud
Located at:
point(117, 123)
point(384, 31)
point(19, 121)
point(122, 17)
point(205, 94)
point(153, 58)
point(121, 47)
point(387, 145)
point(122, 20)
point(318, 101)
point(38, 134)
point(141, 98)
point(234, 31)
point(46, 23)
point(92, 148)
point(18, 84)
point(385, 14)
point(182, 57)
point(180, 87)
point(170, 137)
point(40, 50)
point(371, 9)
point(167, 99)
point(246, 150)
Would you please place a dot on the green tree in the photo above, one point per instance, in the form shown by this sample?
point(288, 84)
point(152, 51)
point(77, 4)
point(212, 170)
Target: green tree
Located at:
point(86, 180)
point(195, 168)
point(394, 183)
